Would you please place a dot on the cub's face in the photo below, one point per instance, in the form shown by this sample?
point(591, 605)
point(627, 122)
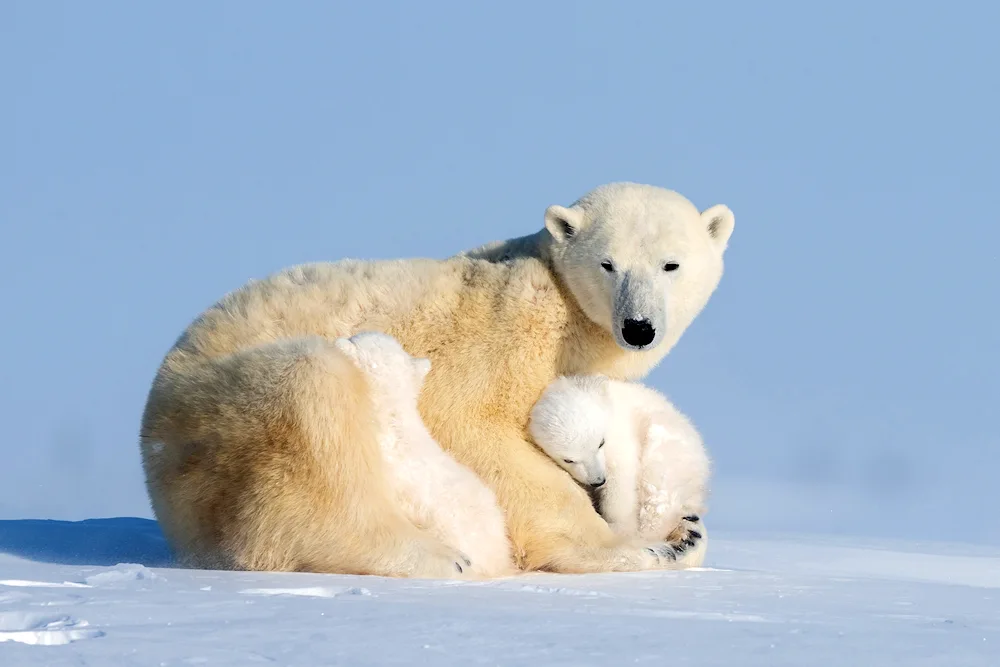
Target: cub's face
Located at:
point(583, 460)
point(641, 261)
point(569, 422)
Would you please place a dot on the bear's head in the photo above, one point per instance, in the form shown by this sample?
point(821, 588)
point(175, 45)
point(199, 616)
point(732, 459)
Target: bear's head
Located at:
point(641, 261)
point(392, 372)
point(569, 423)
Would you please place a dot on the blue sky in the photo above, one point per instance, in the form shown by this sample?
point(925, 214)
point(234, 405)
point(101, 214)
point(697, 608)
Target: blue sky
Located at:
point(846, 375)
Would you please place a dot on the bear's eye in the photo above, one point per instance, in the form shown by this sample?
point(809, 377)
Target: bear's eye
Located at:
point(600, 445)
point(671, 266)
point(607, 266)
point(568, 461)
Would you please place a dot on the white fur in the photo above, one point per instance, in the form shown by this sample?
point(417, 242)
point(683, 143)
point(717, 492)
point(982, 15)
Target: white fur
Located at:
point(436, 492)
point(653, 459)
point(617, 271)
point(631, 253)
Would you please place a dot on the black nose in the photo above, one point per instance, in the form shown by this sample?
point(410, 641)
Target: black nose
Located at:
point(638, 333)
point(599, 483)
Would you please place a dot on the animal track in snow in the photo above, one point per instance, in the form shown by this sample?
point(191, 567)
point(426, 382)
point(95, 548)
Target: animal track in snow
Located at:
point(44, 629)
point(559, 590)
point(24, 583)
point(312, 592)
point(729, 617)
point(703, 569)
point(14, 596)
point(122, 573)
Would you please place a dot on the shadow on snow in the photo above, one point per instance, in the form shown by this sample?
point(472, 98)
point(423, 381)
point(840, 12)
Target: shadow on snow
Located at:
point(89, 542)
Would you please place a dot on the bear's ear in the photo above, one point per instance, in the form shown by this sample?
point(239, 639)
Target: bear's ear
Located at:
point(423, 366)
point(563, 223)
point(347, 346)
point(719, 221)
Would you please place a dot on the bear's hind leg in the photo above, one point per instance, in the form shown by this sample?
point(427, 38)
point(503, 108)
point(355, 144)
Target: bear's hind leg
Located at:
point(358, 525)
point(268, 459)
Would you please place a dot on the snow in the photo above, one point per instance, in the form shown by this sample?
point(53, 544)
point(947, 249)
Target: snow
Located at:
point(102, 592)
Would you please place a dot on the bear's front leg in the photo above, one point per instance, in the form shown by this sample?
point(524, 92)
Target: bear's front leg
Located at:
point(550, 520)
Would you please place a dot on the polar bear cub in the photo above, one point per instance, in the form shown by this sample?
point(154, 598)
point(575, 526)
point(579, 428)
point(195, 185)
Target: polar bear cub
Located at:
point(642, 456)
point(436, 492)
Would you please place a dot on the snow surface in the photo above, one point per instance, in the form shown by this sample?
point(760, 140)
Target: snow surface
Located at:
point(102, 592)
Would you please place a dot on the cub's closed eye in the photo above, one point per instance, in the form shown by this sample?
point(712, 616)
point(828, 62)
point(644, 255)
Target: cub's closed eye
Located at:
point(671, 266)
point(600, 445)
point(607, 266)
point(568, 461)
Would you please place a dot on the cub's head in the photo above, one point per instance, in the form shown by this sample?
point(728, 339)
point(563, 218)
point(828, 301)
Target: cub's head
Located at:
point(569, 423)
point(390, 369)
point(641, 261)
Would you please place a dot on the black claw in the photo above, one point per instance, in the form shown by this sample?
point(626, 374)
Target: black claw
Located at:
point(695, 534)
point(689, 543)
point(663, 552)
point(693, 518)
point(680, 548)
point(459, 568)
point(468, 563)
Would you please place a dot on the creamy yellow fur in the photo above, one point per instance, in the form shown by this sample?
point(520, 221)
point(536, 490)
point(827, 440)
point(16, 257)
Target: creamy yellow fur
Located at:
point(258, 438)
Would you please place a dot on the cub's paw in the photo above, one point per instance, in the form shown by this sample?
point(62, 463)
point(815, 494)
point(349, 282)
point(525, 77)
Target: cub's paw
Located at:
point(690, 541)
point(439, 561)
point(683, 547)
point(663, 554)
point(687, 534)
point(462, 563)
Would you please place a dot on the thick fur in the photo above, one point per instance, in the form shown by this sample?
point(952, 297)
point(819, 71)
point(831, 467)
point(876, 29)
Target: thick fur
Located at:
point(572, 422)
point(435, 492)
point(259, 436)
point(644, 458)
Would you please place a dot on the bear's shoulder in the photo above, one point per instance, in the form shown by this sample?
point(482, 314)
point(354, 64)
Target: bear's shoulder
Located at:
point(517, 287)
point(521, 247)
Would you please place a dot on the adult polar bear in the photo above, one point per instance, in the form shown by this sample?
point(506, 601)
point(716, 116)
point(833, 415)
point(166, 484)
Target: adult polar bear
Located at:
point(258, 441)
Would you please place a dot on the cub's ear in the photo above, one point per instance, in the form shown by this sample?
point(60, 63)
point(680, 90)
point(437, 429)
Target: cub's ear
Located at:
point(423, 366)
point(563, 223)
point(347, 346)
point(719, 221)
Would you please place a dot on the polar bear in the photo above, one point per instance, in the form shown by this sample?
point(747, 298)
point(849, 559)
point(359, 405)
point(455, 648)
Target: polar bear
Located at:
point(260, 447)
point(435, 492)
point(644, 459)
